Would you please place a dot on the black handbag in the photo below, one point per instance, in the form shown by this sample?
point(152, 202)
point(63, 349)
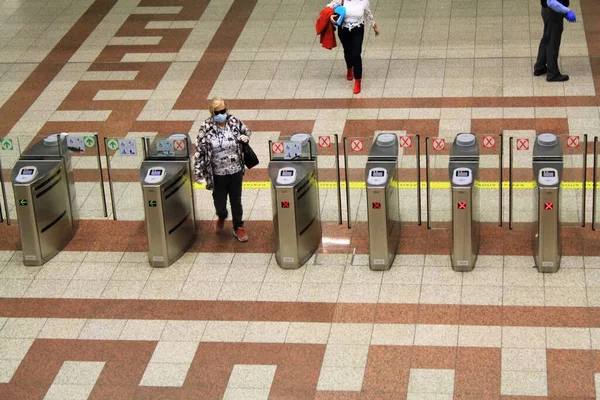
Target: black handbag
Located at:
point(250, 158)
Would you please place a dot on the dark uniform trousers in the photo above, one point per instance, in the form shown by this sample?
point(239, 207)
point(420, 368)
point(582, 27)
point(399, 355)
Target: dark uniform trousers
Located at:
point(550, 43)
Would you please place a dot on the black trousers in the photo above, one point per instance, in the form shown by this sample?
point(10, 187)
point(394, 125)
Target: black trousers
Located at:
point(550, 43)
point(229, 185)
point(352, 41)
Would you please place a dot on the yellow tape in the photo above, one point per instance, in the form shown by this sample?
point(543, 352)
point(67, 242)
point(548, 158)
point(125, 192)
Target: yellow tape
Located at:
point(484, 185)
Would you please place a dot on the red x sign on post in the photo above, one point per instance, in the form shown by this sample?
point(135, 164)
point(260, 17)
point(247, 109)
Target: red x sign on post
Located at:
point(489, 142)
point(277, 148)
point(405, 141)
point(439, 144)
point(285, 204)
point(462, 205)
point(357, 145)
point(377, 205)
point(522, 144)
point(548, 206)
point(324, 141)
point(573, 141)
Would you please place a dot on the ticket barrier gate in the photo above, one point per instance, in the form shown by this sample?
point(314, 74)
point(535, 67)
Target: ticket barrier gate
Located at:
point(167, 188)
point(383, 203)
point(44, 191)
point(295, 202)
point(464, 168)
point(547, 171)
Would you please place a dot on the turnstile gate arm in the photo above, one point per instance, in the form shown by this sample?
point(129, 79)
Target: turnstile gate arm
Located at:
point(110, 183)
point(584, 188)
point(347, 179)
point(594, 189)
point(500, 180)
point(339, 179)
point(510, 182)
point(99, 161)
point(427, 189)
point(418, 155)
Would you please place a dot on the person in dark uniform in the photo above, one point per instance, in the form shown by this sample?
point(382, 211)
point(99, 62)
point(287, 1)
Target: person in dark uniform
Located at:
point(553, 14)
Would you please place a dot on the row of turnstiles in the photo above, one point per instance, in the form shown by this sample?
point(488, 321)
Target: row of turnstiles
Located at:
point(45, 198)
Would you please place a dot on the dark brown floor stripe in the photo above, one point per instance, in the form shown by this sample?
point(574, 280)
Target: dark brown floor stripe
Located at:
point(108, 235)
point(435, 314)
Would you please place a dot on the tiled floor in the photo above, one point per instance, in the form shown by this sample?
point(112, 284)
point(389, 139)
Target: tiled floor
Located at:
point(225, 321)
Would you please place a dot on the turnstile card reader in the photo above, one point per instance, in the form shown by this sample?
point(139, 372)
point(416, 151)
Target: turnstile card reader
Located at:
point(295, 202)
point(44, 192)
point(286, 176)
point(167, 188)
point(547, 171)
point(26, 174)
point(383, 205)
point(155, 175)
point(463, 170)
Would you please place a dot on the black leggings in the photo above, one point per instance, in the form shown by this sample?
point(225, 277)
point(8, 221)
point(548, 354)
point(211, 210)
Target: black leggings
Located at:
point(229, 185)
point(352, 41)
point(550, 43)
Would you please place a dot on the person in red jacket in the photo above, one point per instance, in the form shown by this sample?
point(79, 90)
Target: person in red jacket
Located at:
point(351, 34)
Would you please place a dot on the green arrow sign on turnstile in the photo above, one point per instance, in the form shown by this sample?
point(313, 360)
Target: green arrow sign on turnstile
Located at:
point(7, 144)
point(89, 141)
point(113, 144)
point(23, 202)
point(152, 203)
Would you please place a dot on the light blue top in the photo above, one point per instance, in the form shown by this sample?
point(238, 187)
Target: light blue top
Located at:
point(556, 6)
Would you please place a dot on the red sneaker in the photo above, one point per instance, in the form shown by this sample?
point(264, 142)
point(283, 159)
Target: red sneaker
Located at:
point(350, 74)
point(219, 225)
point(240, 234)
point(357, 86)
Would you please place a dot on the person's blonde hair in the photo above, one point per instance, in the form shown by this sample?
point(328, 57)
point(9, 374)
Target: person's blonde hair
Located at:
point(216, 102)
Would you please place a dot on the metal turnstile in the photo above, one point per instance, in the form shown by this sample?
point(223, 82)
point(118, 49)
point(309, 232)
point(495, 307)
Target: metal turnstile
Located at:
point(383, 206)
point(167, 188)
point(547, 172)
point(295, 201)
point(463, 169)
point(44, 192)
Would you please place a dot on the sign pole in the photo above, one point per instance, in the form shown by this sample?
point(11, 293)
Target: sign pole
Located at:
point(4, 195)
point(110, 183)
point(99, 160)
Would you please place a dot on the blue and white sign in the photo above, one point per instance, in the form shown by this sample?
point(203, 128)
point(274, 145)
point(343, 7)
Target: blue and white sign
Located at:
point(127, 147)
point(76, 143)
point(292, 150)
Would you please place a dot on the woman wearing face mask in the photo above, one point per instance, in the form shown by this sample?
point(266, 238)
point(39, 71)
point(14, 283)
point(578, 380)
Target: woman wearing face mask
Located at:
point(351, 34)
point(220, 161)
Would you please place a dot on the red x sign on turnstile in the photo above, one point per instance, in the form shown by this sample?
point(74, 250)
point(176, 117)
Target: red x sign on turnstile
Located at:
point(522, 144)
point(324, 141)
point(277, 147)
point(462, 205)
point(179, 145)
point(573, 141)
point(489, 142)
point(549, 206)
point(405, 141)
point(377, 205)
point(285, 204)
point(356, 145)
point(439, 144)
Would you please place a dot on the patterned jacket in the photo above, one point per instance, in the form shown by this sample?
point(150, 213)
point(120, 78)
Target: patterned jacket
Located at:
point(204, 150)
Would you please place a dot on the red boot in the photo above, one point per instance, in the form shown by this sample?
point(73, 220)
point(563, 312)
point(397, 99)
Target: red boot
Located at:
point(357, 86)
point(350, 74)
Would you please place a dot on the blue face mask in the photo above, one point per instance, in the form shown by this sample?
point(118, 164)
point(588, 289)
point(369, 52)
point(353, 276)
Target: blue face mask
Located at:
point(220, 118)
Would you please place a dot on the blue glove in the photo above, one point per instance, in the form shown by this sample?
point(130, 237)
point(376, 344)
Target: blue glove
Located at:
point(571, 17)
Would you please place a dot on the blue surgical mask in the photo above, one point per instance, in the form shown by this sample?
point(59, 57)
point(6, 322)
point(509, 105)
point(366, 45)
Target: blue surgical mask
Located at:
point(220, 118)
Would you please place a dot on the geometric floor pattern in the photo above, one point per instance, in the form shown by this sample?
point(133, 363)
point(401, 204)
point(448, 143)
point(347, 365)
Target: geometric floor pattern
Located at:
point(225, 321)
